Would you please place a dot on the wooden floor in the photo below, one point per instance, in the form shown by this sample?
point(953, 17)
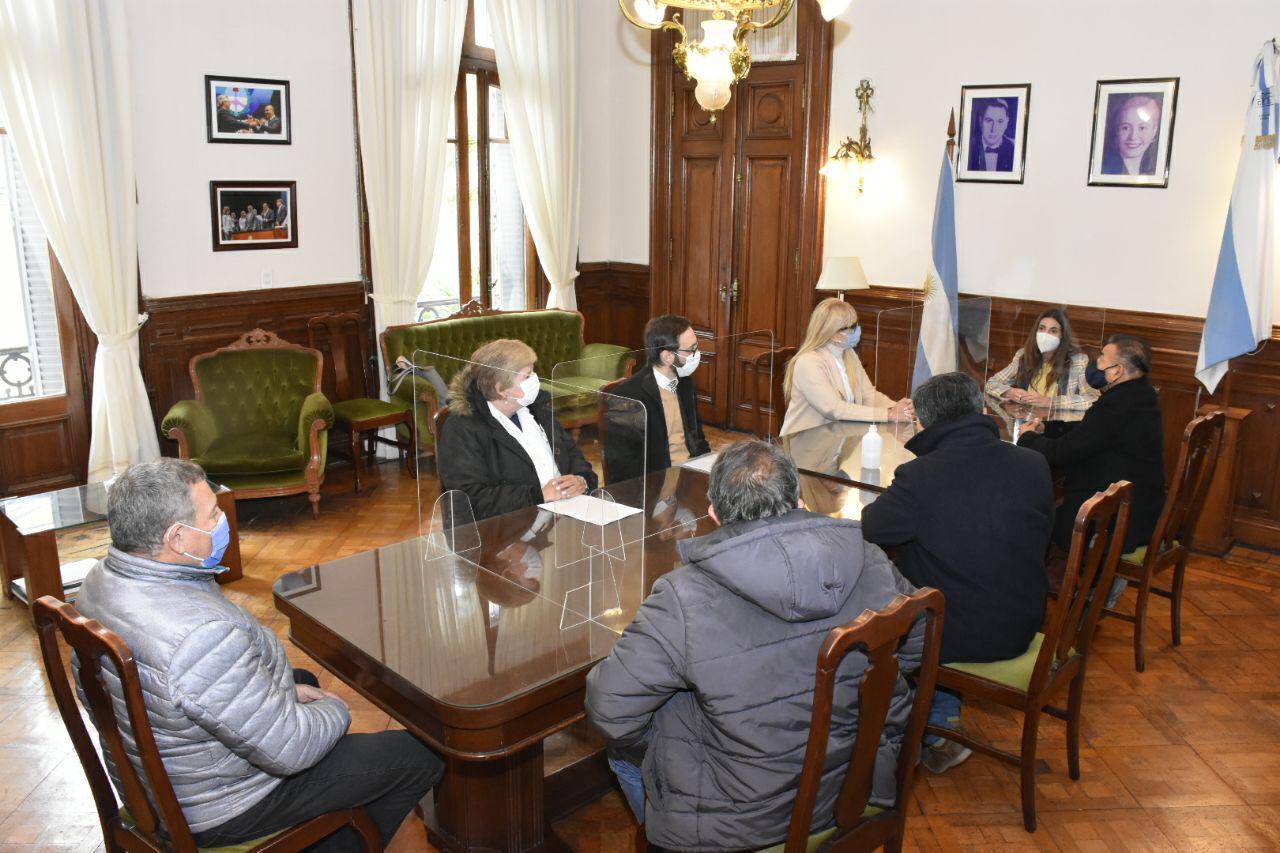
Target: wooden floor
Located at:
point(1183, 757)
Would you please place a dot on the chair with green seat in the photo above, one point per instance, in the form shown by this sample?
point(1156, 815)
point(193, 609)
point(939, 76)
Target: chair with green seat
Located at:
point(355, 412)
point(150, 818)
point(555, 335)
point(259, 421)
point(1055, 660)
point(876, 635)
point(1168, 548)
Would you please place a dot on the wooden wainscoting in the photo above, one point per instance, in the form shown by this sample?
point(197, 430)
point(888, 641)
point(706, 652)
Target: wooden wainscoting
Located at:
point(184, 326)
point(1253, 383)
point(614, 300)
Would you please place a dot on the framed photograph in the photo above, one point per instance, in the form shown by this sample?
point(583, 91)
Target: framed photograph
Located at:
point(993, 133)
point(253, 215)
point(1132, 132)
point(245, 109)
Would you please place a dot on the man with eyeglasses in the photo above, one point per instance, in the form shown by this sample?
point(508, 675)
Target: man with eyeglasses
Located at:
point(673, 431)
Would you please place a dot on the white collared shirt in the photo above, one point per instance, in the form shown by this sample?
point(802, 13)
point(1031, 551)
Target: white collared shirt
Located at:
point(838, 354)
point(664, 383)
point(533, 439)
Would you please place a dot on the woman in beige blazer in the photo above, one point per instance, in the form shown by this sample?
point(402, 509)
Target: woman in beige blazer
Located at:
point(825, 381)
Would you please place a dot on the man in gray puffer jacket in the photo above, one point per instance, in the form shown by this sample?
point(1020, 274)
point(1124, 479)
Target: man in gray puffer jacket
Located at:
point(249, 751)
point(710, 689)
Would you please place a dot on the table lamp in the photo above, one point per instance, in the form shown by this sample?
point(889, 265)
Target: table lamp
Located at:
point(841, 274)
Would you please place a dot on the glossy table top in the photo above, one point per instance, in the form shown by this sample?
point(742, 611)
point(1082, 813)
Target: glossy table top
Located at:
point(62, 509)
point(525, 599)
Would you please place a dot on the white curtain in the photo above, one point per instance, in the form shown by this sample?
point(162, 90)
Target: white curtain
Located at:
point(64, 86)
point(407, 55)
point(536, 42)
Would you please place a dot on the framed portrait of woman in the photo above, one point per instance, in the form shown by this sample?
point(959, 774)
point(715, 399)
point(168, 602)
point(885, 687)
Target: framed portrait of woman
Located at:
point(1133, 132)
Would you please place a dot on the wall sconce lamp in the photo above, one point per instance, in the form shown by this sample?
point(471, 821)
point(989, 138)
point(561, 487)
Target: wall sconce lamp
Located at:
point(851, 157)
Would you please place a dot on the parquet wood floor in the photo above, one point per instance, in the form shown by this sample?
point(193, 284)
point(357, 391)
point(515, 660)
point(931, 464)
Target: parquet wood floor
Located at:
point(1183, 757)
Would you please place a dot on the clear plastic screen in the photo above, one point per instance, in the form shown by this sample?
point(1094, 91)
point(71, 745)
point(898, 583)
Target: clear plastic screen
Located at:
point(898, 362)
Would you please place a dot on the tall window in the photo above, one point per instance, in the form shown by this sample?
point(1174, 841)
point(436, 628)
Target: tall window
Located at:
point(30, 351)
point(482, 245)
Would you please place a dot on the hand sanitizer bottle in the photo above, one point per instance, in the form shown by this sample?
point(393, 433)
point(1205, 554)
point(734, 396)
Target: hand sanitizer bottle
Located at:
point(872, 448)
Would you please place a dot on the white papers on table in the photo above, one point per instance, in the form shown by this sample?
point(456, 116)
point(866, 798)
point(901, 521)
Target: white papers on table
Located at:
point(73, 575)
point(701, 463)
point(590, 509)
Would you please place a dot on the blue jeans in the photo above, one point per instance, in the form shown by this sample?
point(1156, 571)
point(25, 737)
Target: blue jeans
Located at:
point(632, 783)
point(944, 711)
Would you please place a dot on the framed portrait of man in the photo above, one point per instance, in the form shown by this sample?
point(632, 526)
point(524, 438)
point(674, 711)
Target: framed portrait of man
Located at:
point(993, 133)
point(247, 110)
point(1133, 132)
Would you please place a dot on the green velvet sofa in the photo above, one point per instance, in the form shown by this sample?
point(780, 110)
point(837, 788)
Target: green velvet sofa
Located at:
point(259, 423)
point(555, 335)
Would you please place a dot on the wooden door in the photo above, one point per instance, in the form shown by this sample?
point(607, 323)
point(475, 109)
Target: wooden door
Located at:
point(736, 229)
point(701, 240)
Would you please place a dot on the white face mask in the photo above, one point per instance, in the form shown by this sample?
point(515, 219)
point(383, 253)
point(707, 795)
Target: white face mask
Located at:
point(690, 365)
point(1047, 342)
point(529, 390)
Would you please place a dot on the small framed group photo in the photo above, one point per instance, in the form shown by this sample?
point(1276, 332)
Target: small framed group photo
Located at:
point(993, 133)
point(253, 215)
point(1132, 132)
point(248, 110)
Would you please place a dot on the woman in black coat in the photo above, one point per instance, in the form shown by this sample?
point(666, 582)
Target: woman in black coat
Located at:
point(501, 444)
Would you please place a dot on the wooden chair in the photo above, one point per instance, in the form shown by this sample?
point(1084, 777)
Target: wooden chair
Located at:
point(876, 634)
point(1056, 659)
point(354, 409)
point(141, 827)
point(768, 404)
point(1168, 548)
point(437, 423)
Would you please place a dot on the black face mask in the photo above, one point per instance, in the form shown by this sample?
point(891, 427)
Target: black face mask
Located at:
point(1096, 376)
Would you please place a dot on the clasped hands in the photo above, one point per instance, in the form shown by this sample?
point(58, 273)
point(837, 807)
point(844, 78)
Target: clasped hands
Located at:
point(1028, 398)
point(559, 488)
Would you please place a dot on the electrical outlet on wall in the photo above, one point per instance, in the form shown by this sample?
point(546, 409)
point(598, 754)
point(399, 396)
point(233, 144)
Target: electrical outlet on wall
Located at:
point(266, 278)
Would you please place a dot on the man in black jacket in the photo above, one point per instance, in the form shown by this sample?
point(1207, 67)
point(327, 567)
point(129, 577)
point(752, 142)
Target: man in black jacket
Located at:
point(706, 698)
point(1121, 437)
point(971, 515)
point(673, 431)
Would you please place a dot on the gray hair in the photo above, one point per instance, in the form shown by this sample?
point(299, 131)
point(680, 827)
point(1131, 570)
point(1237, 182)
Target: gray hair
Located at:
point(947, 397)
point(149, 498)
point(753, 480)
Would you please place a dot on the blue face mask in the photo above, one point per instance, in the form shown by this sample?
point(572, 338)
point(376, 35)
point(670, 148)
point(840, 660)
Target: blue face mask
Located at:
point(852, 337)
point(220, 535)
point(1096, 376)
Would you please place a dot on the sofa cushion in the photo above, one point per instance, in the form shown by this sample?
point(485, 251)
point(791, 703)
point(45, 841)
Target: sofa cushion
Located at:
point(363, 409)
point(252, 453)
point(256, 391)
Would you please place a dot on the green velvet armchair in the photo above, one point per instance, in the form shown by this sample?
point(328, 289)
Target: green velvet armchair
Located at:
point(258, 424)
point(555, 335)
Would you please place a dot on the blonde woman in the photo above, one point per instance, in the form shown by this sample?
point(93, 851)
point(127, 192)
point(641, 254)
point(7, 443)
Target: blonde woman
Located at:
point(501, 445)
point(826, 381)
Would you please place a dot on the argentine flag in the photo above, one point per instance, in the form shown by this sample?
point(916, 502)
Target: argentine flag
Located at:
point(936, 351)
point(1239, 314)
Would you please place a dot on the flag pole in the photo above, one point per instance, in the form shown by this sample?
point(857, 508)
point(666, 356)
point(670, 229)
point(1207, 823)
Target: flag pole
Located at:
point(951, 136)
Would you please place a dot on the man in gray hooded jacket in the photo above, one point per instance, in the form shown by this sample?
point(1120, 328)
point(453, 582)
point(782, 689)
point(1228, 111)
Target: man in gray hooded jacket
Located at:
point(249, 751)
point(706, 698)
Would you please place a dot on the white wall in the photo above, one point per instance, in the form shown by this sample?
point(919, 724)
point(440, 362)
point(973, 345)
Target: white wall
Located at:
point(615, 97)
point(174, 44)
point(1052, 238)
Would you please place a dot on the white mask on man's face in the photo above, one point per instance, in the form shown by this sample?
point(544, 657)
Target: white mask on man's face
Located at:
point(1047, 341)
point(690, 364)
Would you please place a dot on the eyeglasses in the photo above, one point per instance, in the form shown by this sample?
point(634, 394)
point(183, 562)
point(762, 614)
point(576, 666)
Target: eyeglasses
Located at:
point(690, 350)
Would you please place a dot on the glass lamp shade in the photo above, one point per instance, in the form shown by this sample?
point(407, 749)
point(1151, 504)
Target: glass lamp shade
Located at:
point(840, 169)
point(650, 11)
point(709, 63)
point(831, 9)
point(842, 274)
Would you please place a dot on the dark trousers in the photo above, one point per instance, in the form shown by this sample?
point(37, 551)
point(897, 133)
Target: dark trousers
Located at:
point(387, 772)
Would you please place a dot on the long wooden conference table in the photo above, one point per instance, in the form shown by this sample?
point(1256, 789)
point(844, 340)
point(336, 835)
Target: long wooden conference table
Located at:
point(480, 642)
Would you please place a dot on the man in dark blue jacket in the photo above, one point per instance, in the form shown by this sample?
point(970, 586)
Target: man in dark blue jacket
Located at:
point(707, 696)
point(971, 515)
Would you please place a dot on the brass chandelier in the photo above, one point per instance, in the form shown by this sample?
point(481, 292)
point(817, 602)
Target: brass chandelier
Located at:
point(721, 57)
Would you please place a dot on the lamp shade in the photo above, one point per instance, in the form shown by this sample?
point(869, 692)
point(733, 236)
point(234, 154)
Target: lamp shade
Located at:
point(842, 274)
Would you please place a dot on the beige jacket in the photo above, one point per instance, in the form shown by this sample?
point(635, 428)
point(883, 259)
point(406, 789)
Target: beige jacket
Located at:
point(817, 394)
